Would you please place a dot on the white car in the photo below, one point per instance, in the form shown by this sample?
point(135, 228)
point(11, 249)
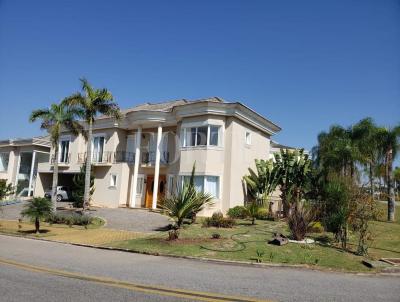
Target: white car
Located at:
point(63, 193)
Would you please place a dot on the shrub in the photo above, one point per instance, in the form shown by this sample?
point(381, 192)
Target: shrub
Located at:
point(263, 214)
point(316, 227)
point(216, 236)
point(5, 189)
point(238, 212)
point(72, 219)
point(219, 221)
point(36, 210)
point(299, 220)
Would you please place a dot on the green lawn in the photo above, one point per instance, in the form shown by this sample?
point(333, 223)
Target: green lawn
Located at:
point(243, 241)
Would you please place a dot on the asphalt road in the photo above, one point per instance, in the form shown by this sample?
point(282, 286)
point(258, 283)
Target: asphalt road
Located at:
point(32, 270)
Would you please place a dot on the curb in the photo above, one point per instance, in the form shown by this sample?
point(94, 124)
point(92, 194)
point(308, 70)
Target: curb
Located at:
point(395, 273)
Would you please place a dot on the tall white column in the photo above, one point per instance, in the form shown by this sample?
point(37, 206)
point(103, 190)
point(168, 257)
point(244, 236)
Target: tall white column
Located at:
point(157, 167)
point(31, 174)
point(138, 140)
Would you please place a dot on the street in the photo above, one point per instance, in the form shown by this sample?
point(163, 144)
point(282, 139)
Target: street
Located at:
point(32, 270)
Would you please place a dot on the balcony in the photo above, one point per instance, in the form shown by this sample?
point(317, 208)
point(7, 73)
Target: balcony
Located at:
point(107, 158)
point(149, 158)
point(63, 159)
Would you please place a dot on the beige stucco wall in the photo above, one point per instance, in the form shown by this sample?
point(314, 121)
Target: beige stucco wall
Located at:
point(239, 158)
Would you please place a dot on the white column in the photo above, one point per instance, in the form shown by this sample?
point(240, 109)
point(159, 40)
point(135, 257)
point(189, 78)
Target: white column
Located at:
point(138, 140)
point(157, 167)
point(31, 174)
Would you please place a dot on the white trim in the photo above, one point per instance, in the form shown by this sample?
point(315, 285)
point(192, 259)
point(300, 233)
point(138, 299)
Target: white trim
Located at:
point(30, 189)
point(138, 141)
point(157, 167)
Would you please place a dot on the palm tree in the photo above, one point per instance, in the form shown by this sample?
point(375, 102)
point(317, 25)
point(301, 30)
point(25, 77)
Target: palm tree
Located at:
point(37, 209)
point(55, 119)
point(389, 145)
point(366, 137)
point(184, 204)
point(336, 151)
point(92, 103)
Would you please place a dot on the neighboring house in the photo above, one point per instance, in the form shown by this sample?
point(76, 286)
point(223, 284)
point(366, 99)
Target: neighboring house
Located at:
point(19, 159)
point(152, 149)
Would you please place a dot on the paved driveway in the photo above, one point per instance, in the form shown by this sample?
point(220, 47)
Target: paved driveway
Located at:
point(138, 220)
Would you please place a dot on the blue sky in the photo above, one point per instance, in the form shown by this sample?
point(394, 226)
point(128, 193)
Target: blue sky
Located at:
point(303, 64)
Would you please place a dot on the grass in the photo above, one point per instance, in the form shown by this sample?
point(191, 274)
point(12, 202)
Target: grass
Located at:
point(93, 235)
point(244, 242)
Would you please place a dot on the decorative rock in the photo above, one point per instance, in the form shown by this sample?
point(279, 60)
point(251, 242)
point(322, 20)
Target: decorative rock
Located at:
point(279, 239)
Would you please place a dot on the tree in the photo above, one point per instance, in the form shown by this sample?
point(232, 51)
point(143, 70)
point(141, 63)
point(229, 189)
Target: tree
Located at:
point(5, 189)
point(260, 184)
point(56, 119)
point(396, 177)
point(91, 103)
point(366, 137)
point(389, 145)
point(336, 151)
point(184, 204)
point(79, 187)
point(36, 210)
point(294, 168)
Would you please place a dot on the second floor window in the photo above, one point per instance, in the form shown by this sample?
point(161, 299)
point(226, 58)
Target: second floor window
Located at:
point(200, 136)
point(98, 148)
point(64, 151)
point(4, 158)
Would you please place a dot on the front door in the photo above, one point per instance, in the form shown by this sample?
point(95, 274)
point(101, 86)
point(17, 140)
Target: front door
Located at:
point(150, 186)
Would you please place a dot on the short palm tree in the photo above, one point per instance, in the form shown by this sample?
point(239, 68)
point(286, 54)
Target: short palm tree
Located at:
point(55, 119)
point(36, 210)
point(92, 102)
point(185, 204)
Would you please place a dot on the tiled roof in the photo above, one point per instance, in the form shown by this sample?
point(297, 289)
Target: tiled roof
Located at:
point(167, 106)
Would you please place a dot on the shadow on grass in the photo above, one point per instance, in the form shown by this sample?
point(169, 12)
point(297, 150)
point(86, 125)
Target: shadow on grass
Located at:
point(30, 232)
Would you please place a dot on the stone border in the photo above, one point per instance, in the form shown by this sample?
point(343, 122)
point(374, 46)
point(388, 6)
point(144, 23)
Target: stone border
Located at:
point(390, 272)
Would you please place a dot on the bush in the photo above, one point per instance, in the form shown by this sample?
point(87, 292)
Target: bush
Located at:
point(5, 189)
point(263, 214)
point(219, 221)
point(72, 219)
point(299, 220)
point(215, 235)
point(316, 227)
point(238, 212)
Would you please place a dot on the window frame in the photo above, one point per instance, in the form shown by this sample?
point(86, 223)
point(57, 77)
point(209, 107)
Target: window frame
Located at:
point(60, 153)
point(140, 183)
point(204, 177)
point(8, 161)
point(185, 130)
point(248, 134)
point(111, 180)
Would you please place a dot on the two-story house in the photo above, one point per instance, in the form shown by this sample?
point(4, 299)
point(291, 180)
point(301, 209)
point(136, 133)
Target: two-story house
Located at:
point(152, 149)
point(19, 160)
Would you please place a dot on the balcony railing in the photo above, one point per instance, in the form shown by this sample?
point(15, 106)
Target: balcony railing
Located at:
point(149, 157)
point(108, 157)
point(62, 159)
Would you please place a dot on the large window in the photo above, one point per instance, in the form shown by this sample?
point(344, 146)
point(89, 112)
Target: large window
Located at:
point(201, 136)
point(64, 151)
point(207, 184)
point(98, 149)
point(4, 158)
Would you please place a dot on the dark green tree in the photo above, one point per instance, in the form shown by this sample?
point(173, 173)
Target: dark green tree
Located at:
point(78, 189)
point(37, 209)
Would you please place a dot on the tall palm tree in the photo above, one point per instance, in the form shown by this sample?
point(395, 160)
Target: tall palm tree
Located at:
point(389, 145)
point(366, 136)
point(54, 119)
point(92, 102)
point(336, 151)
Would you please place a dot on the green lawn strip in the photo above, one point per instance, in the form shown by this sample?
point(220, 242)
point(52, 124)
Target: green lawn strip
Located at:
point(246, 240)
